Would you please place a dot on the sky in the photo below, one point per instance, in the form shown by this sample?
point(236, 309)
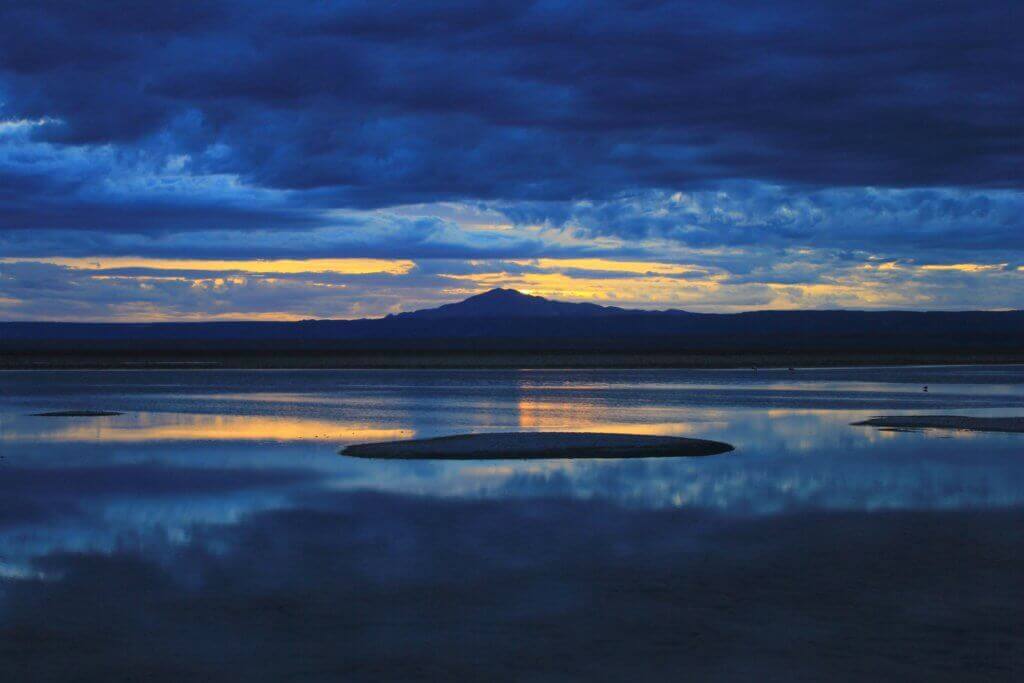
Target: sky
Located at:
point(283, 160)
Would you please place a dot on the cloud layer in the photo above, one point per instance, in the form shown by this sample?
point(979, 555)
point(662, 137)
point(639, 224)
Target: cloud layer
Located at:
point(468, 130)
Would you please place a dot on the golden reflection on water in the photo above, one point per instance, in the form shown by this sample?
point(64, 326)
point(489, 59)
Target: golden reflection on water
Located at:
point(138, 427)
point(588, 417)
point(500, 471)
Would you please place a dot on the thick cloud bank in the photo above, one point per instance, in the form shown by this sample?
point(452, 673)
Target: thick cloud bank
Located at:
point(515, 130)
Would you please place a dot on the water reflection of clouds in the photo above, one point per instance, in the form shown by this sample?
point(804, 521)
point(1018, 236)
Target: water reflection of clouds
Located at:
point(100, 506)
point(751, 488)
point(378, 586)
point(271, 425)
point(226, 510)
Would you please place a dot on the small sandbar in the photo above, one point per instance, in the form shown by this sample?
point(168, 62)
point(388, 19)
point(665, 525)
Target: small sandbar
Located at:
point(537, 445)
point(77, 413)
point(974, 424)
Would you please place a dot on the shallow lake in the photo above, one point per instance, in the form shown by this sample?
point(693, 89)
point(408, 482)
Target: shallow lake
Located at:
point(213, 530)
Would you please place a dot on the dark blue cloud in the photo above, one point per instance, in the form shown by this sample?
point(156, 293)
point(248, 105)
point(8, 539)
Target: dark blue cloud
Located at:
point(647, 130)
point(369, 106)
point(906, 221)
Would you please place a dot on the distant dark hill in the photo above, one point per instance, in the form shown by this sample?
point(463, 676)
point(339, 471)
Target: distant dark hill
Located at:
point(508, 303)
point(506, 320)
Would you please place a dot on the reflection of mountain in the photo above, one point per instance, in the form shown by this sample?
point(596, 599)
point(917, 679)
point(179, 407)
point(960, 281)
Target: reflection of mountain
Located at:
point(503, 320)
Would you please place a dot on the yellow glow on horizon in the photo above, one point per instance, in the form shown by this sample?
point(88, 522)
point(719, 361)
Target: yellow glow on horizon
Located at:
point(966, 267)
point(146, 289)
point(262, 316)
point(343, 266)
point(147, 313)
point(628, 289)
point(844, 293)
point(882, 266)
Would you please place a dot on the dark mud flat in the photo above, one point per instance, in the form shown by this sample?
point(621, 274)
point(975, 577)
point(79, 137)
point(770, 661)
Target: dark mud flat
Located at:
point(974, 424)
point(538, 445)
point(77, 413)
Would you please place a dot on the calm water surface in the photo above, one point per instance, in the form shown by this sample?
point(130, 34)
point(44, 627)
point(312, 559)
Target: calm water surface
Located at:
point(212, 530)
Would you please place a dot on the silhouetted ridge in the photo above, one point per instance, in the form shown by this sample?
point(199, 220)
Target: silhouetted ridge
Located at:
point(509, 303)
point(504, 319)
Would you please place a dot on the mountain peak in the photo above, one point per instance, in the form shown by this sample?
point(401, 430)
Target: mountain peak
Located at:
point(510, 303)
point(502, 294)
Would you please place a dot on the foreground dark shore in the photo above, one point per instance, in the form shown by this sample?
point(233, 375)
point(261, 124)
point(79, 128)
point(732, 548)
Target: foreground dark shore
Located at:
point(498, 360)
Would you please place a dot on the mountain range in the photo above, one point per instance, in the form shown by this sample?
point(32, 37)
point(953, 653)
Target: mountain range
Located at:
point(504, 319)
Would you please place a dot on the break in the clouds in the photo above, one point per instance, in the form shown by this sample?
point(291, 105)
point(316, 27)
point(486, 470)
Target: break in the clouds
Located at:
point(754, 155)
